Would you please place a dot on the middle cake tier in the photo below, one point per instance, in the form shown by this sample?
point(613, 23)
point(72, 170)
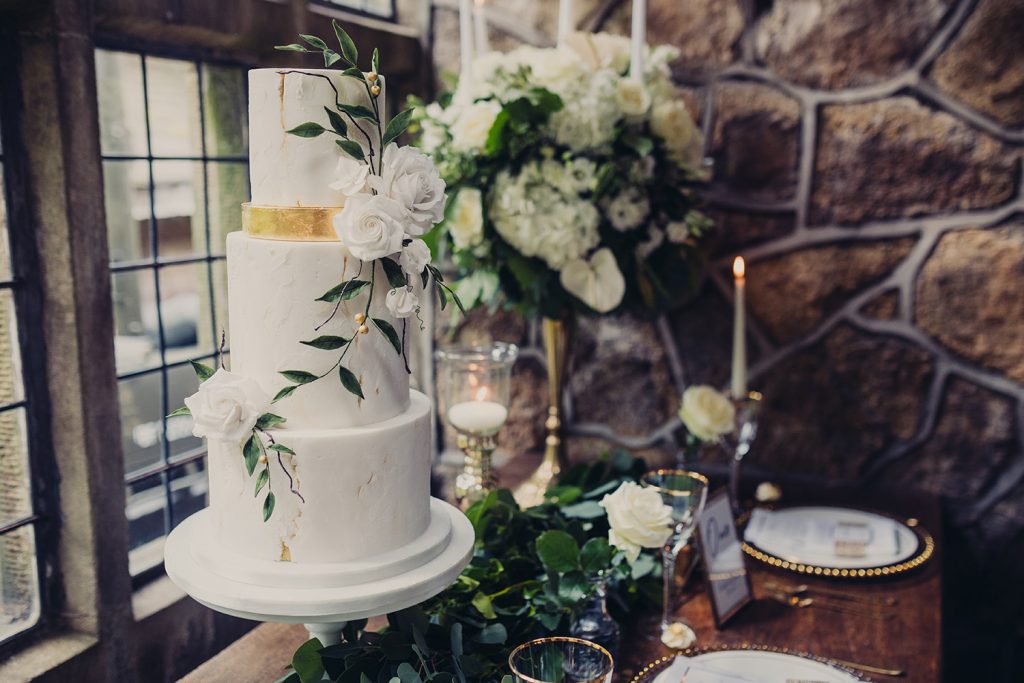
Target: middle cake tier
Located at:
point(273, 306)
point(344, 495)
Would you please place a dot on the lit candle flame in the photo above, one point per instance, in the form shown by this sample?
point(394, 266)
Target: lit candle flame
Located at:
point(739, 268)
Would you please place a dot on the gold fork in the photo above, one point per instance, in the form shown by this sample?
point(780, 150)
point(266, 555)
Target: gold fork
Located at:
point(803, 588)
point(800, 603)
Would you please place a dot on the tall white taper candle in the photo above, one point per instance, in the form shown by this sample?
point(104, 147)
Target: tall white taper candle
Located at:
point(739, 332)
point(465, 38)
point(480, 28)
point(639, 42)
point(566, 19)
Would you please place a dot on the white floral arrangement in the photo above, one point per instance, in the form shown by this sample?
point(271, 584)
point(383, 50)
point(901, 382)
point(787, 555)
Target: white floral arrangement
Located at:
point(394, 195)
point(574, 181)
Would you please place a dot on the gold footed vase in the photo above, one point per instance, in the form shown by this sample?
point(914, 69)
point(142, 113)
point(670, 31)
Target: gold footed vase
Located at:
point(557, 340)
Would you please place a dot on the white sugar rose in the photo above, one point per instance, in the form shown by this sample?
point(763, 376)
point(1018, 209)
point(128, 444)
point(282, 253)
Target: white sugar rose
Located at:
point(415, 257)
point(707, 413)
point(672, 123)
point(370, 226)
point(350, 176)
point(466, 223)
point(410, 177)
point(632, 97)
point(470, 130)
point(628, 210)
point(638, 518)
point(597, 282)
point(227, 406)
point(402, 302)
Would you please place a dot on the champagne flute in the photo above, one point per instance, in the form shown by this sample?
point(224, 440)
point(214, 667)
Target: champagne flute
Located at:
point(685, 492)
point(561, 660)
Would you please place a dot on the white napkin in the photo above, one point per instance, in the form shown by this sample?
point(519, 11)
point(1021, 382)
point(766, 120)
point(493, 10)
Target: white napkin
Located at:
point(686, 670)
point(788, 533)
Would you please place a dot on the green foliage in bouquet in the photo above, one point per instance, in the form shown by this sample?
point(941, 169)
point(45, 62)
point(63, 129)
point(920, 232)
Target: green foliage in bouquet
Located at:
point(575, 185)
point(529, 573)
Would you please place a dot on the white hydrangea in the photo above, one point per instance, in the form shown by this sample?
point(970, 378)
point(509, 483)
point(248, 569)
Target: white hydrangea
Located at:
point(539, 219)
point(591, 113)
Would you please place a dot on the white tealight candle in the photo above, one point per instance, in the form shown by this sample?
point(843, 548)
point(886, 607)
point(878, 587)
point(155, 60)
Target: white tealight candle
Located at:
point(739, 332)
point(477, 417)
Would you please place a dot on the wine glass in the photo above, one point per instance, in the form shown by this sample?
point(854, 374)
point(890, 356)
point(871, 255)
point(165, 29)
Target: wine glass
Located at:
point(561, 660)
point(685, 492)
point(476, 384)
point(747, 409)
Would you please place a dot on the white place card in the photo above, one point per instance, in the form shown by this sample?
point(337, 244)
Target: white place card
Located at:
point(728, 583)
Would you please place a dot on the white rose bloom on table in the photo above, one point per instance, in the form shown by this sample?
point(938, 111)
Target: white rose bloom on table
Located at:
point(632, 97)
point(350, 176)
point(671, 122)
point(409, 177)
point(628, 210)
point(415, 257)
point(227, 406)
point(638, 518)
point(597, 282)
point(466, 222)
point(708, 414)
point(402, 302)
point(371, 226)
point(471, 128)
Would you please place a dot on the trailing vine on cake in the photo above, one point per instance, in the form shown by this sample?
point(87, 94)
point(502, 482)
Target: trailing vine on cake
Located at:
point(393, 196)
point(232, 408)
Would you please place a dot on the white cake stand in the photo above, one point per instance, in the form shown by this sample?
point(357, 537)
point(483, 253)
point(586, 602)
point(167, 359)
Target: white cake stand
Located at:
point(322, 597)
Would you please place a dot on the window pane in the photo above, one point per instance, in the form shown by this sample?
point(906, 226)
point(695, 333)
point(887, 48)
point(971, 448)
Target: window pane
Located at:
point(121, 104)
point(11, 389)
point(15, 497)
point(188, 490)
point(173, 88)
point(229, 188)
point(126, 196)
point(19, 591)
point(180, 215)
point(146, 505)
point(142, 421)
point(5, 252)
point(226, 115)
point(185, 306)
point(182, 382)
point(136, 335)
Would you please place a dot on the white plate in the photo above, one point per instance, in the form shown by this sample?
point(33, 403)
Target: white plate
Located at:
point(768, 667)
point(908, 541)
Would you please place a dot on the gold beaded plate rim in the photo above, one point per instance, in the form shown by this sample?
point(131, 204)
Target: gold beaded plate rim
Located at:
point(651, 671)
point(924, 552)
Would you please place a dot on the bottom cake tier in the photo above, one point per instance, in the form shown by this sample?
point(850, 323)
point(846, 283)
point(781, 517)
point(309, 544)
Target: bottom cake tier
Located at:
point(346, 495)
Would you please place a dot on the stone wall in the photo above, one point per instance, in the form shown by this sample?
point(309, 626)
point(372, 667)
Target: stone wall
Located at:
point(868, 166)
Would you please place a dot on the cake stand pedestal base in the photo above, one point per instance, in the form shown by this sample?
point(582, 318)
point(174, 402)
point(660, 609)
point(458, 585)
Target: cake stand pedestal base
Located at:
point(284, 593)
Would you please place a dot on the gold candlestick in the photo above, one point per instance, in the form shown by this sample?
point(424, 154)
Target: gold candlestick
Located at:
point(557, 339)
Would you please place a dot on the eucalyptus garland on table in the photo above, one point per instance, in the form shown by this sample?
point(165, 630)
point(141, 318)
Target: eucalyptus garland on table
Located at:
point(394, 196)
point(529, 573)
point(232, 408)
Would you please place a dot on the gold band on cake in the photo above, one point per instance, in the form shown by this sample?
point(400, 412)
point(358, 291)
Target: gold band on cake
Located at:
point(292, 223)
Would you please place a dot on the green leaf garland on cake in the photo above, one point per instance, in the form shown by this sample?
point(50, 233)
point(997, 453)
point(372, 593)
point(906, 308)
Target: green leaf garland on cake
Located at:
point(394, 196)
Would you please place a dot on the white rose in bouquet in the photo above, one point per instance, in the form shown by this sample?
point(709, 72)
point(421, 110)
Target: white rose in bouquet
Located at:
point(402, 302)
point(371, 226)
point(632, 97)
point(415, 257)
point(600, 50)
point(473, 125)
point(707, 413)
point(466, 223)
point(597, 282)
point(628, 210)
point(409, 177)
point(672, 123)
point(227, 406)
point(638, 518)
point(350, 176)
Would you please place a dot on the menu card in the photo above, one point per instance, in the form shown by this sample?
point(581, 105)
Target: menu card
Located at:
point(803, 535)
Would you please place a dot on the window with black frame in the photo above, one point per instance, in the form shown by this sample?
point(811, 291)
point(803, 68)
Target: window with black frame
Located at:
point(382, 9)
point(175, 170)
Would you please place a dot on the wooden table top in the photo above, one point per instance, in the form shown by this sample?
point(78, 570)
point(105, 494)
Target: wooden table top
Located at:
point(910, 641)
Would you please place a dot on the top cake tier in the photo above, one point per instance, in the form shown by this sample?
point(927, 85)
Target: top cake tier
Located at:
point(287, 170)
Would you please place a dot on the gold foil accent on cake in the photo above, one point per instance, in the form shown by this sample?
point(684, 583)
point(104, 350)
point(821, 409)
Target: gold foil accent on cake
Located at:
point(292, 223)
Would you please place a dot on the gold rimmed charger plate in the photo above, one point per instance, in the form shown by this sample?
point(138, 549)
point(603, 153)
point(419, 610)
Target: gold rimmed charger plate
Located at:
point(924, 552)
point(650, 672)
